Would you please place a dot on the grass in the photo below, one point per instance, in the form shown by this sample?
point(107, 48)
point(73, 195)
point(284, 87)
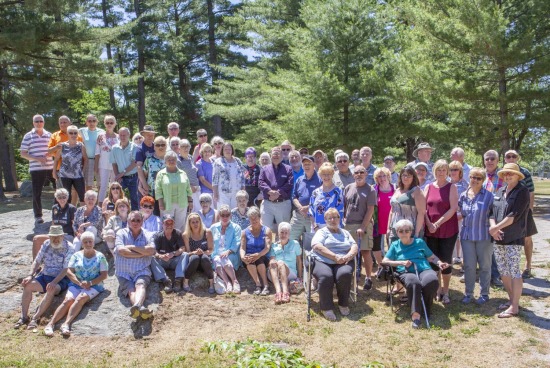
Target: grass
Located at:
point(542, 187)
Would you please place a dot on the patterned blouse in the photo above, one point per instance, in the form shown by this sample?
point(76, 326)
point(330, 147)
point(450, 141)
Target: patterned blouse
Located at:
point(321, 201)
point(228, 176)
point(242, 221)
point(95, 218)
point(87, 269)
point(71, 161)
point(153, 165)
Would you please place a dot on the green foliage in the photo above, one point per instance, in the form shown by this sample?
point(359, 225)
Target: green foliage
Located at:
point(256, 354)
point(95, 101)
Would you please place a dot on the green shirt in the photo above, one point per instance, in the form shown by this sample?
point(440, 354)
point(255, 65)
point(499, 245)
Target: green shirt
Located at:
point(173, 188)
point(416, 252)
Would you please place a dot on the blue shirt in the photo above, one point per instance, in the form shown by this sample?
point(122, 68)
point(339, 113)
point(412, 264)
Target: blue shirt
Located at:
point(204, 169)
point(232, 241)
point(475, 215)
point(124, 157)
point(89, 137)
point(339, 243)
point(287, 254)
point(321, 201)
point(304, 187)
point(255, 244)
point(416, 252)
point(152, 224)
point(144, 151)
point(370, 174)
point(132, 268)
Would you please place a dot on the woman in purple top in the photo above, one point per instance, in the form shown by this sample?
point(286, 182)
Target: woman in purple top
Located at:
point(441, 222)
point(204, 169)
point(255, 245)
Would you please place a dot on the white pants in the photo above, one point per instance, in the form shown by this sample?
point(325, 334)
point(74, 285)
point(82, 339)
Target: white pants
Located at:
point(275, 211)
point(179, 215)
point(229, 199)
point(196, 201)
point(105, 177)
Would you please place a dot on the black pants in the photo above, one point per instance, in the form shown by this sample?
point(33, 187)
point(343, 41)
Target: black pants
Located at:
point(199, 263)
point(425, 284)
point(443, 249)
point(78, 184)
point(327, 275)
point(38, 178)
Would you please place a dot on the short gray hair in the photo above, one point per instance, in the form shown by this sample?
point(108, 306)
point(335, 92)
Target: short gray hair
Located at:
point(172, 124)
point(170, 154)
point(185, 142)
point(284, 226)
point(87, 235)
point(345, 155)
point(61, 192)
point(205, 197)
point(127, 130)
point(242, 194)
point(253, 212)
point(90, 194)
point(224, 208)
point(404, 223)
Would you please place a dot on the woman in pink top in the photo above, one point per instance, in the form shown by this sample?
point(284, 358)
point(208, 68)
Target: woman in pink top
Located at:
point(384, 191)
point(441, 222)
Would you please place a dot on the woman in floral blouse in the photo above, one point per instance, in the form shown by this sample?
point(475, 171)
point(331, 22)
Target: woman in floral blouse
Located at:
point(103, 146)
point(228, 177)
point(87, 218)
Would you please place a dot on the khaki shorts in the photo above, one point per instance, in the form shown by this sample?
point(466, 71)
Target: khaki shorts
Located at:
point(366, 244)
point(89, 175)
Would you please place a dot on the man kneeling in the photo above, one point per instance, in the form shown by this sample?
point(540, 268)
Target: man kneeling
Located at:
point(133, 253)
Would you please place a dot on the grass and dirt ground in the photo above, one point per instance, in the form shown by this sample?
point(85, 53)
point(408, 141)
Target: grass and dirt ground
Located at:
point(185, 327)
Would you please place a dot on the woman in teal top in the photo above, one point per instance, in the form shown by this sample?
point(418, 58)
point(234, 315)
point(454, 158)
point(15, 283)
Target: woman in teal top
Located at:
point(285, 264)
point(226, 260)
point(404, 254)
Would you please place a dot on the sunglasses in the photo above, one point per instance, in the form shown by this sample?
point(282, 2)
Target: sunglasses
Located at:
point(342, 161)
point(135, 220)
point(160, 145)
point(218, 143)
point(360, 172)
point(511, 156)
point(38, 121)
point(455, 170)
point(138, 139)
point(285, 149)
point(403, 231)
point(109, 123)
point(72, 133)
point(62, 197)
point(225, 215)
point(479, 178)
point(490, 158)
point(116, 188)
point(202, 136)
point(148, 206)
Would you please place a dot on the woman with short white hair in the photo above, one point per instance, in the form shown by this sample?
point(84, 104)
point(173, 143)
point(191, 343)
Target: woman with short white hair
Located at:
point(87, 218)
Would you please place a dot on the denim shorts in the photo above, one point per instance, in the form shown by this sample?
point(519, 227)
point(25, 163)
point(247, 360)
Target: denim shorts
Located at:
point(44, 280)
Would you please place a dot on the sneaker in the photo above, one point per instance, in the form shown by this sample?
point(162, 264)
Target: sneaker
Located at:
point(462, 279)
point(344, 310)
point(462, 270)
point(236, 287)
point(211, 290)
point(496, 282)
point(229, 288)
point(482, 299)
point(445, 299)
point(258, 290)
point(145, 313)
point(167, 285)
point(368, 284)
point(526, 274)
point(134, 311)
point(39, 220)
point(457, 260)
point(467, 299)
point(416, 324)
point(176, 285)
point(265, 291)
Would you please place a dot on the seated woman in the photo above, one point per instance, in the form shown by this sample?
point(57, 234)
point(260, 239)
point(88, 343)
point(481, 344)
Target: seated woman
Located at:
point(207, 213)
point(238, 214)
point(87, 218)
point(62, 214)
point(116, 222)
point(198, 245)
point(151, 222)
point(333, 251)
point(255, 245)
point(226, 235)
point(87, 270)
point(114, 193)
point(285, 263)
point(404, 254)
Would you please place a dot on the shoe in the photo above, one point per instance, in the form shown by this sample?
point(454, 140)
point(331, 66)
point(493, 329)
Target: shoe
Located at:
point(329, 314)
point(438, 297)
point(134, 311)
point(416, 324)
point(65, 330)
point(229, 288)
point(20, 322)
point(265, 291)
point(176, 285)
point(186, 288)
point(344, 310)
point(496, 282)
point(457, 260)
point(38, 220)
point(507, 314)
point(526, 274)
point(462, 279)
point(211, 290)
point(258, 290)
point(482, 299)
point(33, 324)
point(236, 287)
point(467, 299)
point(167, 286)
point(461, 270)
point(445, 299)
point(48, 331)
point(145, 313)
point(368, 284)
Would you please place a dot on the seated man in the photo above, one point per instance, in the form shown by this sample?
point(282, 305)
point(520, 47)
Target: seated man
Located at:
point(133, 253)
point(170, 254)
point(54, 258)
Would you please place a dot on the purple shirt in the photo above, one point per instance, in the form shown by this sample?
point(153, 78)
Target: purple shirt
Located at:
point(278, 178)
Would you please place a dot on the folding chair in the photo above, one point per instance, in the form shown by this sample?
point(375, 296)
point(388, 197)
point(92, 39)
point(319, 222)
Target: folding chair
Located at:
point(392, 283)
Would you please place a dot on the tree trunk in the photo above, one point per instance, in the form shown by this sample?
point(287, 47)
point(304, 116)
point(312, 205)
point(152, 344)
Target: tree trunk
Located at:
point(503, 110)
point(141, 66)
point(410, 144)
point(104, 9)
point(7, 159)
point(213, 60)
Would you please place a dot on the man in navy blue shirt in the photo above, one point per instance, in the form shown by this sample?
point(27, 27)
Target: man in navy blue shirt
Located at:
point(303, 188)
point(146, 149)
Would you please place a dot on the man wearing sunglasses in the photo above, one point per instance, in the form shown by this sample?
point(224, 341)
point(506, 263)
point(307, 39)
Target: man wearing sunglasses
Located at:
point(457, 154)
point(173, 129)
point(512, 157)
point(344, 175)
point(34, 148)
point(89, 136)
point(286, 147)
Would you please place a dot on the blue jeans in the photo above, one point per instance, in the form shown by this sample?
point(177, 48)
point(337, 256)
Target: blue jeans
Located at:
point(131, 182)
point(494, 269)
point(477, 252)
point(178, 263)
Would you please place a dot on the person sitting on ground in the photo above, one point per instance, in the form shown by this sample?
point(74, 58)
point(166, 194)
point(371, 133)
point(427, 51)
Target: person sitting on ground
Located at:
point(333, 250)
point(255, 245)
point(404, 254)
point(226, 236)
point(117, 222)
point(199, 246)
point(114, 193)
point(170, 255)
point(62, 214)
point(87, 218)
point(151, 222)
point(285, 263)
point(134, 250)
point(53, 258)
point(238, 214)
point(208, 214)
point(87, 270)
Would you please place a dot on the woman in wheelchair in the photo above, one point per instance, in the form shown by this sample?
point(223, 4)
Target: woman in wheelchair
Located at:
point(412, 257)
point(334, 251)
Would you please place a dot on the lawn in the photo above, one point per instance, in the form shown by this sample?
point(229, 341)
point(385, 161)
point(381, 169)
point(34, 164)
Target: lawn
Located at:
point(542, 187)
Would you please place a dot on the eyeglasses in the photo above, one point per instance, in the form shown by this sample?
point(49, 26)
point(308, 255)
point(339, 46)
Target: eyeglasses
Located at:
point(218, 143)
point(109, 123)
point(406, 176)
point(454, 169)
point(160, 145)
point(116, 188)
point(479, 178)
point(135, 220)
point(138, 139)
point(511, 156)
point(490, 158)
point(62, 197)
point(72, 133)
point(173, 128)
point(403, 231)
point(147, 206)
point(202, 136)
point(38, 121)
point(225, 215)
point(204, 201)
point(360, 172)
point(342, 161)
point(285, 149)
point(174, 144)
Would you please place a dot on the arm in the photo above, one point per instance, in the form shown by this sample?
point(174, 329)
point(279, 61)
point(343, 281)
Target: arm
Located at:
point(366, 221)
point(25, 154)
point(142, 176)
point(420, 203)
point(242, 251)
point(453, 198)
point(56, 159)
point(186, 243)
point(159, 191)
point(437, 261)
point(84, 158)
point(205, 182)
point(209, 242)
point(267, 247)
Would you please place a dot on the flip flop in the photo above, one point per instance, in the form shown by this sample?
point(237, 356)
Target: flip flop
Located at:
point(32, 324)
point(504, 306)
point(507, 314)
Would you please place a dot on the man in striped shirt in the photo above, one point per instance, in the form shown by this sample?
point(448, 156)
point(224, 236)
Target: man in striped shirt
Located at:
point(34, 148)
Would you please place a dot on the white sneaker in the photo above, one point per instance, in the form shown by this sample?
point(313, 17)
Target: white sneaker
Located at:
point(236, 287)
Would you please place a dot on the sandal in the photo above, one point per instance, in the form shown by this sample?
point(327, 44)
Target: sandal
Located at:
point(278, 298)
point(504, 306)
point(20, 322)
point(48, 331)
point(65, 330)
point(32, 324)
point(445, 299)
point(507, 314)
point(286, 297)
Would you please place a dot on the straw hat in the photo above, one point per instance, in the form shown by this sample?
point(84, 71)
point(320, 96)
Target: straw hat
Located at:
point(511, 168)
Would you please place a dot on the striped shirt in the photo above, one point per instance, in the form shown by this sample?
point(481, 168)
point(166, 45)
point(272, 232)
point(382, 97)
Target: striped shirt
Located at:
point(37, 146)
point(131, 268)
point(528, 181)
point(475, 215)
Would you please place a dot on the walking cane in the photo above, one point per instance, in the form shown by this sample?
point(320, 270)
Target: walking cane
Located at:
point(422, 299)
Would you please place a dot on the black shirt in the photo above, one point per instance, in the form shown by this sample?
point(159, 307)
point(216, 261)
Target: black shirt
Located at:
point(164, 245)
point(515, 205)
point(64, 217)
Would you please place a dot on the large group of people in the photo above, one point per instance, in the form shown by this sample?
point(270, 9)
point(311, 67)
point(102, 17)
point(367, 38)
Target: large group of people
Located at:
point(161, 207)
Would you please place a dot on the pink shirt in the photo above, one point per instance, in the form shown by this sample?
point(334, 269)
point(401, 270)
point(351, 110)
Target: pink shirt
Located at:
point(384, 208)
point(437, 203)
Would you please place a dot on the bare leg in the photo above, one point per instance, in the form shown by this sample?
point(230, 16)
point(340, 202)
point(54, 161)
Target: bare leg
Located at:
point(138, 297)
point(528, 247)
point(30, 288)
point(274, 271)
point(507, 281)
point(75, 309)
point(46, 301)
point(367, 262)
point(61, 311)
point(446, 282)
point(378, 257)
point(263, 274)
point(230, 271)
point(252, 270)
point(517, 286)
point(283, 273)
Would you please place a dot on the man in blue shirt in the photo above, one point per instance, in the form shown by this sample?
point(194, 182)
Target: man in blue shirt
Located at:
point(89, 137)
point(123, 159)
point(365, 153)
point(303, 188)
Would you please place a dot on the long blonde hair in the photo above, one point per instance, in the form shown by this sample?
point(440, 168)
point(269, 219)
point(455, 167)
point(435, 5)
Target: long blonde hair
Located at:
point(187, 231)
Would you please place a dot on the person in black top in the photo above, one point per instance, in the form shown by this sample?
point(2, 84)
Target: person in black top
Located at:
point(62, 214)
point(508, 227)
point(170, 255)
point(251, 176)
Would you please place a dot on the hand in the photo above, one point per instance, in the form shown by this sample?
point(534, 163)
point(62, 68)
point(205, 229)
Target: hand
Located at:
point(86, 284)
point(216, 197)
point(495, 233)
point(42, 160)
point(26, 280)
point(432, 228)
point(260, 197)
point(51, 286)
point(360, 232)
point(406, 263)
point(225, 254)
point(194, 189)
point(119, 177)
point(443, 265)
point(199, 252)
point(143, 191)
point(162, 207)
point(304, 210)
